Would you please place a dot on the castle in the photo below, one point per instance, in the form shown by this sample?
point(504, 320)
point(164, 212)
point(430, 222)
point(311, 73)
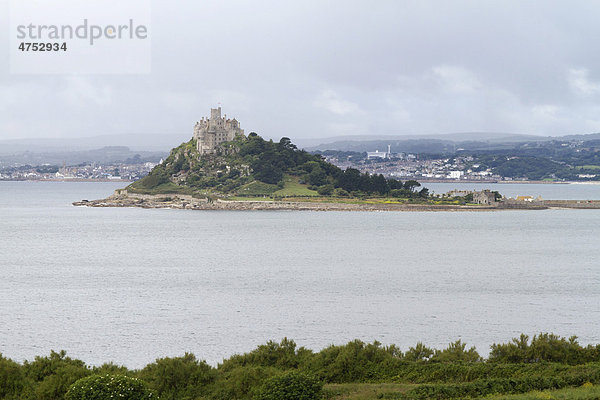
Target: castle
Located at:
point(209, 133)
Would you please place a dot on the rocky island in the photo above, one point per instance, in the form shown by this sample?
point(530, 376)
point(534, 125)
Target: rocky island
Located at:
point(221, 168)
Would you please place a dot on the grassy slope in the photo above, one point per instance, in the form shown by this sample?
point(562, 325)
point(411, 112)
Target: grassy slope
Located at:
point(373, 391)
point(292, 187)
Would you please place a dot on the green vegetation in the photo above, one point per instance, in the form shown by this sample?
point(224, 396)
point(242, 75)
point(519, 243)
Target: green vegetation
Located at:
point(254, 167)
point(545, 365)
point(100, 387)
point(586, 391)
point(293, 188)
point(541, 163)
point(291, 385)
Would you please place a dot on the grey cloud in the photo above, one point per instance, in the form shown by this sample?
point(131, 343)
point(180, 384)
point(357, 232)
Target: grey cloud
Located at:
point(319, 69)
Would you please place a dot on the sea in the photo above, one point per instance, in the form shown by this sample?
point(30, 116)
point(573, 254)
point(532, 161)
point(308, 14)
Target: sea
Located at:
point(130, 285)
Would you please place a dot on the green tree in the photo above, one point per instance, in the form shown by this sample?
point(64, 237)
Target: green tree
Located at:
point(179, 378)
point(103, 387)
point(317, 177)
point(411, 185)
point(418, 353)
point(292, 385)
point(456, 351)
point(325, 190)
point(51, 376)
point(12, 380)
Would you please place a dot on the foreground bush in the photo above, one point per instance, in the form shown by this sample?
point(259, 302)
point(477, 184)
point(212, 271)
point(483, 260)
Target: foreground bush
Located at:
point(179, 378)
point(544, 347)
point(545, 361)
point(103, 387)
point(291, 386)
point(49, 378)
point(481, 388)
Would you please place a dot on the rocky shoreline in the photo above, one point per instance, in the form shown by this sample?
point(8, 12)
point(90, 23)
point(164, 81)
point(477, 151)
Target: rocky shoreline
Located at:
point(185, 202)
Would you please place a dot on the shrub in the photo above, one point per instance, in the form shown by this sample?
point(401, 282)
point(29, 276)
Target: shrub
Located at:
point(544, 347)
point(179, 378)
point(12, 380)
point(292, 385)
point(51, 376)
point(339, 192)
point(325, 190)
point(283, 355)
point(355, 362)
point(241, 382)
point(456, 352)
point(101, 387)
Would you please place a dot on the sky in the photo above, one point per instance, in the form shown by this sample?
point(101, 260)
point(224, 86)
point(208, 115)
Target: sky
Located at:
point(312, 69)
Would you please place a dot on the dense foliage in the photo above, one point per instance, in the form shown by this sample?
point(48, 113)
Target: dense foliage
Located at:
point(240, 164)
point(543, 160)
point(291, 385)
point(102, 387)
point(273, 369)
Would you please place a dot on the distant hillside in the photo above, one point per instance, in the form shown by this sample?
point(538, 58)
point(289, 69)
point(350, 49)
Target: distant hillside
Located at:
point(105, 155)
point(448, 143)
point(136, 142)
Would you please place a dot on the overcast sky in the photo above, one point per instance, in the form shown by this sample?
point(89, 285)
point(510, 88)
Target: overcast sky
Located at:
point(308, 69)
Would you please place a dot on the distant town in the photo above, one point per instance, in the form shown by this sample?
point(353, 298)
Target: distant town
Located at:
point(82, 172)
point(405, 166)
point(480, 159)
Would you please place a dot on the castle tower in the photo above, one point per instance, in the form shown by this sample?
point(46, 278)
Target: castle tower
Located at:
point(215, 113)
point(211, 132)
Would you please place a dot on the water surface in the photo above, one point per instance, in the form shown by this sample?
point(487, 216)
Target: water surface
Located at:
point(129, 285)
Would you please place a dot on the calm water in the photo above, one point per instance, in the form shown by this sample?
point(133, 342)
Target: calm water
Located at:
point(129, 285)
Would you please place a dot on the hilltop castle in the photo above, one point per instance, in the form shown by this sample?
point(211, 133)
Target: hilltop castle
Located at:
point(211, 132)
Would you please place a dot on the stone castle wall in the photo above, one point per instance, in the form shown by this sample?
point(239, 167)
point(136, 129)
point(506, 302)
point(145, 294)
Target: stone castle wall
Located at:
point(210, 132)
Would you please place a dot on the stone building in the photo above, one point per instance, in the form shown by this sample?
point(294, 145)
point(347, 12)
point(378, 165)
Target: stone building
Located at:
point(210, 132)
point(484, 197)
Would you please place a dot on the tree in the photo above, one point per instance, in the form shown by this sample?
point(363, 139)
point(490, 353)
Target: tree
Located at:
point(286, 143)
point(418, 353)
point(325, 190)
point(456, 352)
point(53, 375)
point(101, 387)
point(317, 177)
point(12, 380)
point(179, 377)
point(380, 184)
point(411, 185)
point(292, 385)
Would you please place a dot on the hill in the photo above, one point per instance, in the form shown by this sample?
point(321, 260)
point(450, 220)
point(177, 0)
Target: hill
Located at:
point(104, 155)
point(439, 144)
point(254, 167)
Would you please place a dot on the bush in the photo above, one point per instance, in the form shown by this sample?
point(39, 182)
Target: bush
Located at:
point(284, 355)
point(241, 382)
point(456, 352)
point(12, 380)
point(292, 385)
point(339, 192)
point(325, 190)
point(355, 362)
point(544, 347)
point(51, 376)
point(101, 387)
point(179, 378)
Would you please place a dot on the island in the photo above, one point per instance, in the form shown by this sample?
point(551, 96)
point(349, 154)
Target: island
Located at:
point(221, 168)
